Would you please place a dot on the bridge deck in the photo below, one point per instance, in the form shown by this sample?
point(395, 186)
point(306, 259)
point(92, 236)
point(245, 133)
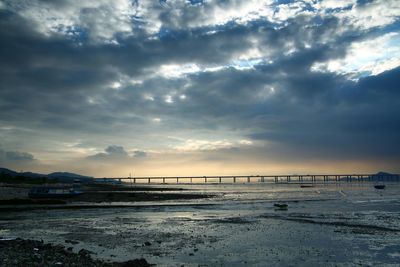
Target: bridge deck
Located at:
point(262, 178)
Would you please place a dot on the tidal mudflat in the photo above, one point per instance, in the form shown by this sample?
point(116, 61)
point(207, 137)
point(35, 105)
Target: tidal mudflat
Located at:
point(331, 225)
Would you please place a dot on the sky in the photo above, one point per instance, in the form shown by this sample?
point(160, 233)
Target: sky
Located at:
point(200, 87)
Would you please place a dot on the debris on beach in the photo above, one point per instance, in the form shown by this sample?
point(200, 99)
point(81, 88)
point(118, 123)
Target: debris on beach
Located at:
point(306, 185)
point(379, 186)
point(7, 238)
point(73, 242)
point(281, 206)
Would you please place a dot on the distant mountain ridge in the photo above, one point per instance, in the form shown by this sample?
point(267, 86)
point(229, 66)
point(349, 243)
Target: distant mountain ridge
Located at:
point(60, 176)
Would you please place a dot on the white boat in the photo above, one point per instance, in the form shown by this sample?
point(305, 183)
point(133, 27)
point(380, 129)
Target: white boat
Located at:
point(53, 192)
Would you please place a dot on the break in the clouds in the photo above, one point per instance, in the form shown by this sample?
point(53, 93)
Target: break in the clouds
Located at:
point(200, 86)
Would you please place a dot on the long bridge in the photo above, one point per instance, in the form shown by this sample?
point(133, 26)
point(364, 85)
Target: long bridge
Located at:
point(294, 178)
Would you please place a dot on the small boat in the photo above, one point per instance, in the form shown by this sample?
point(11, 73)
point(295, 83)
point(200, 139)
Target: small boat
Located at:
point(379, 186)
point(53, 192)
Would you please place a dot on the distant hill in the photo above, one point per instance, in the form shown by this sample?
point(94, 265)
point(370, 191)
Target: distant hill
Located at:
point(7, 171)
point(379, 176)
point(383, 174)
point(68, 177)
point(65, 177)
point(32, 174)
point(24, 174)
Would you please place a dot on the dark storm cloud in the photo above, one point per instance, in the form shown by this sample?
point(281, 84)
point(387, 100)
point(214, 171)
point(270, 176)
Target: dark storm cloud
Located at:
point(53, 78)
point(115, 152)
point(111, 152)
point(353, 120)
point(139, 154)
point(234, 92)
point(15, 156)
point(55, 82)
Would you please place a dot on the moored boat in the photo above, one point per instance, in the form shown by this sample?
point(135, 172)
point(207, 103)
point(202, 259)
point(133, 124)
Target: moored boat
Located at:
point(306, 185)
point(53, 192)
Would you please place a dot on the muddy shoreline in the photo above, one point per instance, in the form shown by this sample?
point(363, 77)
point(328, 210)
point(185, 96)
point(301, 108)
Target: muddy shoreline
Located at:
point(240, 226)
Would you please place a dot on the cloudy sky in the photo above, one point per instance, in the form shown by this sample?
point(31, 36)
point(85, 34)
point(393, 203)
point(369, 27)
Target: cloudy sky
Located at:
point(192, 87)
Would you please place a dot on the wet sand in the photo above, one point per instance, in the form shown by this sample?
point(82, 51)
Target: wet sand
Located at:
point(344, 225)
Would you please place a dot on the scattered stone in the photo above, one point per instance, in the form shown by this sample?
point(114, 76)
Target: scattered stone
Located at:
point(147, 243)
point(135, 263)
point(85, 252)
point(281, 206)
point(59, 247)
point(73, 242)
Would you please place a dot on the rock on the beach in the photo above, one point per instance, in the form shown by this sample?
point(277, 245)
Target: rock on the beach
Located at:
point(135, 263)
point(73, 242)
point(85, 253)
point(21, 252)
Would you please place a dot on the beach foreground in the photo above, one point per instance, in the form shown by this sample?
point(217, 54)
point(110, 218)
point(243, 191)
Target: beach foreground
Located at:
point(329, 225)
point(19, 252)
